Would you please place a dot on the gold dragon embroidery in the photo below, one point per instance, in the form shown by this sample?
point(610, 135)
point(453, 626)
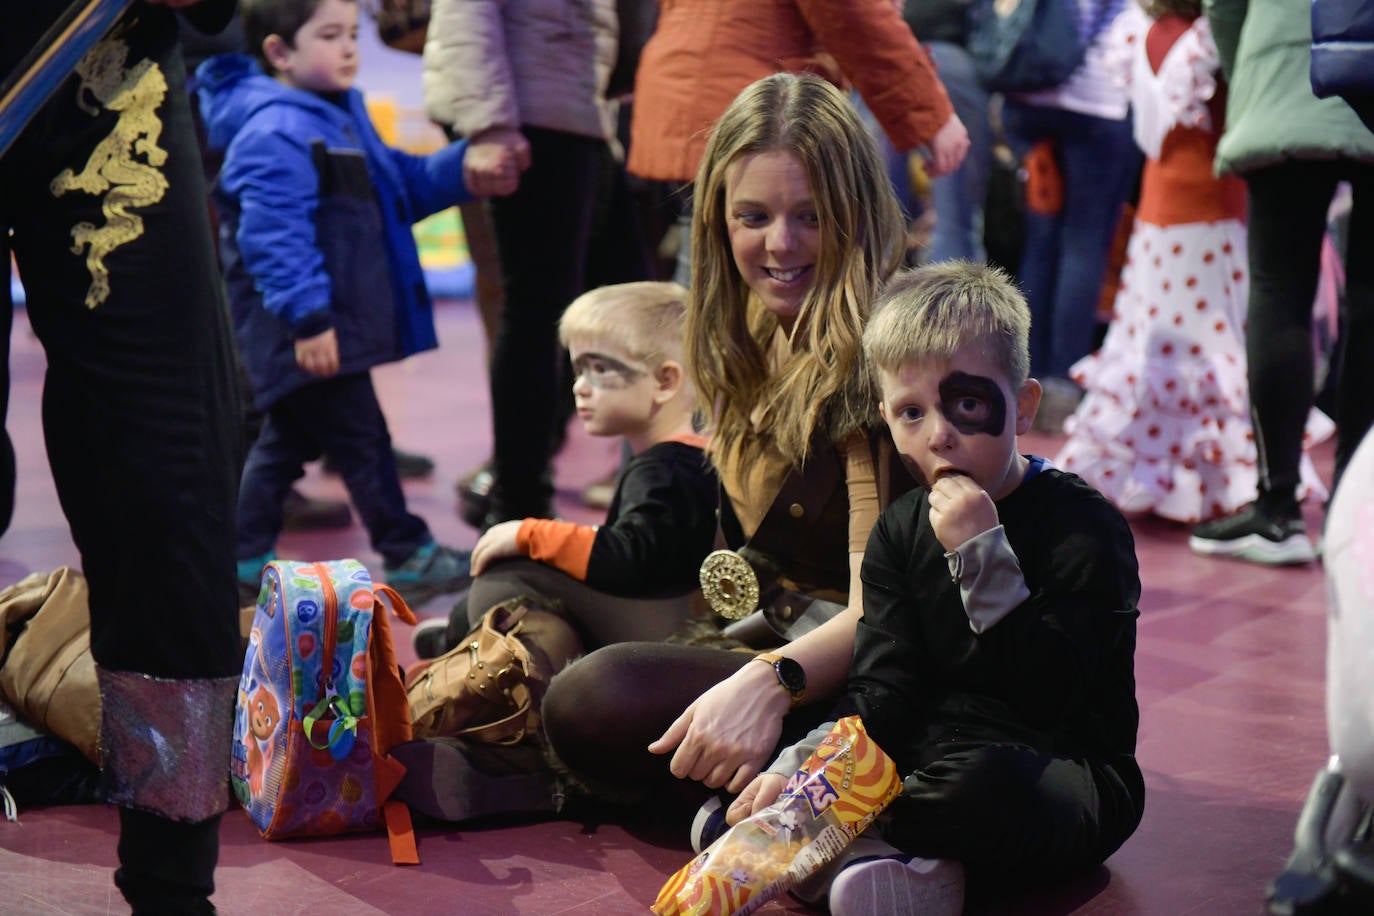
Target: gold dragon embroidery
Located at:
point(125, 163)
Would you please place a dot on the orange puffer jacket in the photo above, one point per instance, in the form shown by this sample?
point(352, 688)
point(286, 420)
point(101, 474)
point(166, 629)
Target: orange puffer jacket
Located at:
point(705, 51)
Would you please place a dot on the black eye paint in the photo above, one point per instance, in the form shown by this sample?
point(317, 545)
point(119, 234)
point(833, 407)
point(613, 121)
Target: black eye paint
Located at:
point(957, 386)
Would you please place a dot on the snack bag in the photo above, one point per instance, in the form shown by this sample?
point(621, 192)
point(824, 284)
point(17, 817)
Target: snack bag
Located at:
point(835, 795)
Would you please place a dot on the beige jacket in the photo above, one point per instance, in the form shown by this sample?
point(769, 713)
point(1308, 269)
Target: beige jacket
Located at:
point(521, 63)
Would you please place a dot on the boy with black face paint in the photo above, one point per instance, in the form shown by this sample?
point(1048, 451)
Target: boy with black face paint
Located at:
point(995, 658)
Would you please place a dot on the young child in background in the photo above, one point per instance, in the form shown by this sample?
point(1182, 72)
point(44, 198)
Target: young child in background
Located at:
point(994, 661)
point(1165, 423)
point(633, 577)
point(323, 275)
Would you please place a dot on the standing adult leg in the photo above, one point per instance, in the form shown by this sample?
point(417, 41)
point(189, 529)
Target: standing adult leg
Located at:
point(105, 198)
point(1287, 221)
point(1025, 126)
point(958, 197)
point(542, 234)
point(1098, 158)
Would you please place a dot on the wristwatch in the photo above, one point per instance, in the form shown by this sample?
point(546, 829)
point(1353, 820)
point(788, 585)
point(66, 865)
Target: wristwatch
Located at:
point(790, 673)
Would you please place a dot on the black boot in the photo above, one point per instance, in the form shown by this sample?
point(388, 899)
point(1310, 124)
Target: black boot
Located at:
point(166, 866)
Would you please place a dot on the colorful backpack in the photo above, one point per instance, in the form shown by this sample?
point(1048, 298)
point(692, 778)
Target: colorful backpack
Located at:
point(320, 705)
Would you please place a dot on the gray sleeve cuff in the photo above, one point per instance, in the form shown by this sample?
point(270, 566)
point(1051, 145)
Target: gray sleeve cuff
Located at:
point(791, 759)
point(989, 578)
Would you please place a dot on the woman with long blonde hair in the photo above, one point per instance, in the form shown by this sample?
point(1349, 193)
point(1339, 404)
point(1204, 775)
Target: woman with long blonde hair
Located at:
point(795, 230)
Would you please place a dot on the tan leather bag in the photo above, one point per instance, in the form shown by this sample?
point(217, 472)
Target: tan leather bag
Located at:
point(489, 687)
point(48, 674)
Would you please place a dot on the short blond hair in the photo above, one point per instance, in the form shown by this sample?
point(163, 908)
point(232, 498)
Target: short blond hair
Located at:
point(931, 313)
point(646, 318)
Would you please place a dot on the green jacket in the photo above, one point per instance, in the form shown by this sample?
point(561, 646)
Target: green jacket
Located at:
point(1271, 113)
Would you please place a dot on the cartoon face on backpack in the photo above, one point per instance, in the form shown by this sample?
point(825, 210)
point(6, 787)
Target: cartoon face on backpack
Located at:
point(264, 718)
point(258, 728)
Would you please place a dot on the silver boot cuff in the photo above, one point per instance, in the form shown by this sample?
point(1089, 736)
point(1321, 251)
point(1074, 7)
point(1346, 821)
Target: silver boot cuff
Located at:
point(165, 742)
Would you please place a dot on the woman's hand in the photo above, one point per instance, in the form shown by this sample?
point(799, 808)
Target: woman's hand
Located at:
point(759, 794)
point(729, 732)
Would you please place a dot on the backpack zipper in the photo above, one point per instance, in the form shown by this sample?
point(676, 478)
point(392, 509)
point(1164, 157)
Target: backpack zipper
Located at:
point(331, 629)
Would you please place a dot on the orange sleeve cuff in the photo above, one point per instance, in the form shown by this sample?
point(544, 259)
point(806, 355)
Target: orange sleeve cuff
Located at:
point(563, 545)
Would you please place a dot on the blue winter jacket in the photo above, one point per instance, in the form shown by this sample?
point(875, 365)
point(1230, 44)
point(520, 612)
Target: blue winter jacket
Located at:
point(1343, 47)
point(316, 215)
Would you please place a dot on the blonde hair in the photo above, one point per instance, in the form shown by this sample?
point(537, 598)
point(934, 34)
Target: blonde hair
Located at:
point(931, 313)
point(822, 385)
point(647, 319)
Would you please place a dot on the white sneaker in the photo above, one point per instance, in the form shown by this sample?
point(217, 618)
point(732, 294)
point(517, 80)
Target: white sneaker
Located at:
point(709, 824)
point(920, 887)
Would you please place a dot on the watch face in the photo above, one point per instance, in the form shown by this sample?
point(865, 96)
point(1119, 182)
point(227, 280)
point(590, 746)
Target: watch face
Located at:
point(791, 674)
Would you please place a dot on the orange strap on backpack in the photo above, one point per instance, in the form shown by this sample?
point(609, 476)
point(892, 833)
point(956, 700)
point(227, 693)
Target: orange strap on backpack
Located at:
point(390, 711)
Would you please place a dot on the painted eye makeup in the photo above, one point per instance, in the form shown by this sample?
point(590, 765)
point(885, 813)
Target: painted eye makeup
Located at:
point(603, 372)
point(973, 404)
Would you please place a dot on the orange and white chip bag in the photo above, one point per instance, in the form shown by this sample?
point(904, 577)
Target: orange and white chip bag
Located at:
point(835, 795)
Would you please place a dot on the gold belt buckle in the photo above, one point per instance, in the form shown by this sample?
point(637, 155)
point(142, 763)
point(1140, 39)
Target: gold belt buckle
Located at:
point(729, 585)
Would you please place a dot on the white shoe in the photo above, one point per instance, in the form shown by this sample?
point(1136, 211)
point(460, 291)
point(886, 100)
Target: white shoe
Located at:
point(893, 887)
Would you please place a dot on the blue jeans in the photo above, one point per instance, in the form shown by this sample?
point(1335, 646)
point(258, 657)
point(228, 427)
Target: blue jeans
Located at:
point(894, 161)
point(1065, 255)
point(958, 197)
point(338, 417)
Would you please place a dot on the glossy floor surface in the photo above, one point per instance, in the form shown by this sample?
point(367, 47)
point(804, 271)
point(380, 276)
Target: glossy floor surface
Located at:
point(1230, 673)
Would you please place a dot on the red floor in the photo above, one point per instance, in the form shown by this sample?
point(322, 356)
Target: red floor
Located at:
point(1230, 671)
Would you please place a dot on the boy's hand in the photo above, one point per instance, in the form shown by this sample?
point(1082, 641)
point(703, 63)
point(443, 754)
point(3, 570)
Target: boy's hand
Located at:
point(759, 794)
point(319, 355)
point(959, 510)
point(494, 161)
point(496, 542)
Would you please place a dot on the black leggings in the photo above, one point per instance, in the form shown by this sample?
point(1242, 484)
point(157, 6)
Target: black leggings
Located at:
point(1287, 222)
point(602, 711)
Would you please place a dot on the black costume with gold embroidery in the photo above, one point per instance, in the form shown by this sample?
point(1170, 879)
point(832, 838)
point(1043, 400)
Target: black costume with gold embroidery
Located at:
point(105, 200)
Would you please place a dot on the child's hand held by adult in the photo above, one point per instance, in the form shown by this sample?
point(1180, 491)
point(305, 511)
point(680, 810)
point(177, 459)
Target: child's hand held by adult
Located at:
point(319, 355)
point(494, 160)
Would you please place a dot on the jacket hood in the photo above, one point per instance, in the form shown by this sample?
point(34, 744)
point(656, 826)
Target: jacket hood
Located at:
point(233, 88)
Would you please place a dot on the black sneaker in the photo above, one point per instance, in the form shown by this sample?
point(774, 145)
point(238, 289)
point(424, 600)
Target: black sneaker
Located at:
point(430, 639)
point(1253, 534)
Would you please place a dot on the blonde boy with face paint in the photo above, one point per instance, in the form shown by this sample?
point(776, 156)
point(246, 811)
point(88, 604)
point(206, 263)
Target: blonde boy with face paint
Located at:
point(632, 577)
point(994, 660)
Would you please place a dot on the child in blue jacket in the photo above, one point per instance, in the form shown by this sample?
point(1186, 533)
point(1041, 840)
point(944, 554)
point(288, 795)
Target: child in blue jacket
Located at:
point(323, 275)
